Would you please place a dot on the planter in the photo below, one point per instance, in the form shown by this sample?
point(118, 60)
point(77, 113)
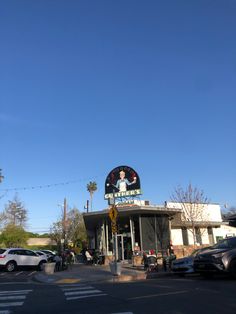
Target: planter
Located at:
point(49, 268)
point(115, 268)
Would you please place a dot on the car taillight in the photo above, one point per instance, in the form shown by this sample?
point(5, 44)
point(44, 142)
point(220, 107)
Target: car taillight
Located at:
point(2, 256)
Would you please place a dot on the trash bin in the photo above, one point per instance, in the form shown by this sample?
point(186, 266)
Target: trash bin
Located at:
point(49, 268)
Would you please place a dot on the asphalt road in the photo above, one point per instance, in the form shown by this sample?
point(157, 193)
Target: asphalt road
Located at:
point(170, 295)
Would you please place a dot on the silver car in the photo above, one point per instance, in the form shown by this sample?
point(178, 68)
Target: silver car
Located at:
point(185, 265)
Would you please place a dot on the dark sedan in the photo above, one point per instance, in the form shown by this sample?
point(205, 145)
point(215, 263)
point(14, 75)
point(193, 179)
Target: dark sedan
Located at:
point(220, 258)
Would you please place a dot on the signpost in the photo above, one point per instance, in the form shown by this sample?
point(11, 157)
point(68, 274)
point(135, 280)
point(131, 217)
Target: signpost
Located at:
point(113, 213)
point(122, 183)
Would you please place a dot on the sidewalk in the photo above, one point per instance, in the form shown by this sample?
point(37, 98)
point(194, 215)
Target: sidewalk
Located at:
point(100, 273)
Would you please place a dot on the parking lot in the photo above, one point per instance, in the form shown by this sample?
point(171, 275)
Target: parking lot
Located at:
point(21, 275)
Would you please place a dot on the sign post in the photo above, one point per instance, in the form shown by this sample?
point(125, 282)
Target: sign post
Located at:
point(113, 216)
point(122, 183)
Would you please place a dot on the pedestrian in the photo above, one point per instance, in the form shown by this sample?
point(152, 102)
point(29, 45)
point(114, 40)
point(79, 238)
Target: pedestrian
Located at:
point(58, 261)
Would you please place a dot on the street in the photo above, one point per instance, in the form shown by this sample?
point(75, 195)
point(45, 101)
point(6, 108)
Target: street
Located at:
point(169, 295)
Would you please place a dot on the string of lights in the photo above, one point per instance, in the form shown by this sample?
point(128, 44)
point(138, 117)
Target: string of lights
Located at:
point(37, 187)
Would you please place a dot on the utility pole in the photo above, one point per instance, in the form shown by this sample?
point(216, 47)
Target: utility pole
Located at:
point(1, 179)
point(87, 206)
point(1, 176)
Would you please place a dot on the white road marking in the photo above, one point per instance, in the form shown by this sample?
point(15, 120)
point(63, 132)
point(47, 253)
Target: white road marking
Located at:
point(77, 288)
point(13, 297)
point(73, 285)
point(11, 304)
point(19, 273)
point(158, 295)
point(83, 292)
point(33, 272)
point(15, 292)
point(5, 312)
point(86, 296)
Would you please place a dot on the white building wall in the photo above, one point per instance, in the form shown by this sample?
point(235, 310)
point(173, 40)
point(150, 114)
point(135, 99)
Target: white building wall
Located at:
point(190, 238)
point(205, 237)
point(176, 237)
point(224, 231)
point(211, 212)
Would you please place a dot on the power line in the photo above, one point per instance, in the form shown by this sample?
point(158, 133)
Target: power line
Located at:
point(37, 187)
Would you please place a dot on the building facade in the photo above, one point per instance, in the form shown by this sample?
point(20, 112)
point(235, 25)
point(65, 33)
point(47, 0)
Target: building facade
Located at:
point(143, 227)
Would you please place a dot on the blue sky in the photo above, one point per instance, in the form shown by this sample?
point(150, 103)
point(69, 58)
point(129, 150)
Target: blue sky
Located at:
point(90, 85)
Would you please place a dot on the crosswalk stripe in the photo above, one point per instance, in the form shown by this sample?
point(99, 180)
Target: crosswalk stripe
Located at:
point(15, 292)
point(17, 274)
point(86, 296)
point(80, 291)
point(77, 288)
point(11, 304)
point(83, 292)
point(13, 297)
point(73, 285)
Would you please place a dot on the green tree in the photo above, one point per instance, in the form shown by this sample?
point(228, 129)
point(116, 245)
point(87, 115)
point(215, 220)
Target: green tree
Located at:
point(91, 188)
point(57, 233)
point(15, 212)
point(13, 236)
point(76, 231)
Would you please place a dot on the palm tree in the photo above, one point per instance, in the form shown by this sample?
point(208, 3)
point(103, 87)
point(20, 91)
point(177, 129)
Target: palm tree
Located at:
point(91, 187)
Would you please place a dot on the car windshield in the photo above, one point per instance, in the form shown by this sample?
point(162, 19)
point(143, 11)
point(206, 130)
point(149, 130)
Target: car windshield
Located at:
point(194, 253)
point(2, 251)
point(224, 244)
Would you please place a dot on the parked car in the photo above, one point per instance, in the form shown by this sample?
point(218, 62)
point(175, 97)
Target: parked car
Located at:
point(12, 257)
point(40, 253)
point(219, 258)
point(184, 265)
point(50, 255)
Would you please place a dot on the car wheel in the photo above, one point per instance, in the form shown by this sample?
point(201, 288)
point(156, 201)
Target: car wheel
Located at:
point(11, 266)
point(41, 265)
point(233, 269)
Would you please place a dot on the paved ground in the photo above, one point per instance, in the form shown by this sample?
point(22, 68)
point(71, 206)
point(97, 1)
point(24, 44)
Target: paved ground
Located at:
point(91, 273)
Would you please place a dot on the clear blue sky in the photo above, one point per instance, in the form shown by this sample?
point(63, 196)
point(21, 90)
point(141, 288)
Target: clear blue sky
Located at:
point(86, 86)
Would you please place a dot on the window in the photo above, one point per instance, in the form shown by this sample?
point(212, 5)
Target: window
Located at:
point(13, 252)
point(30, 253)
point(210, 235)
point(185, 236)
point(198, 235)
point(232, 242)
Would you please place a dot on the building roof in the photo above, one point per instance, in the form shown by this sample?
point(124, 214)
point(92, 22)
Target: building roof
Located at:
point(92, 219)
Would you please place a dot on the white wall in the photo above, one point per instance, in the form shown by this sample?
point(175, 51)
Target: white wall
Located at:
point(224, 231)
point(211, 212)
point(176, 237)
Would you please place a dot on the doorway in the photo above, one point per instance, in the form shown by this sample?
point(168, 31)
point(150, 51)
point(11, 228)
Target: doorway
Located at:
point(124, 247)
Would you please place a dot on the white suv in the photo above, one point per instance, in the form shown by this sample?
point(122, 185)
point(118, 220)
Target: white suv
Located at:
point(11, 258)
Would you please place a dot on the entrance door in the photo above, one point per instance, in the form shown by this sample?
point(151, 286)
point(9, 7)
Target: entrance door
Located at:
point(124, 247)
